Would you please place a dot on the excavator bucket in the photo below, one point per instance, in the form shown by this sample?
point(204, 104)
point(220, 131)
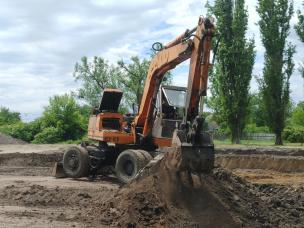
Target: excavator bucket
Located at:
point(184, 156)
point(58, 171)
point(196, 159)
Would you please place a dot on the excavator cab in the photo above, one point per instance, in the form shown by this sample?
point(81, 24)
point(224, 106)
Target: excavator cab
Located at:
point(169, 111)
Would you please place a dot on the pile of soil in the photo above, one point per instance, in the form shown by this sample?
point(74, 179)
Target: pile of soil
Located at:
point(219, 199)
point(5, 139)
point(149, 203)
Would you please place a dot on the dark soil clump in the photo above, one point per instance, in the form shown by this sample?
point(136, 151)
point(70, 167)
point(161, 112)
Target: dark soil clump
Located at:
point(220, 199)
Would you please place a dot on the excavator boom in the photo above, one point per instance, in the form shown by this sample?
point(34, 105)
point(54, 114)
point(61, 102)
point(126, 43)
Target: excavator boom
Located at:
point(174, 53)
point(191, 149)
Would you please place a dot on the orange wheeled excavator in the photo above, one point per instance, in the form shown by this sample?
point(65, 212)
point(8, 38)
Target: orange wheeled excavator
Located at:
point(168, 117)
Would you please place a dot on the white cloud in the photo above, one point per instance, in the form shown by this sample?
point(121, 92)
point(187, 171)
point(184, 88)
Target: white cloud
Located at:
point(41, 41)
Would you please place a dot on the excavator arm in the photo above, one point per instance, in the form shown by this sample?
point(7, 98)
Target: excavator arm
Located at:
point(188, 45)
point(164, 61)
point(199, 66)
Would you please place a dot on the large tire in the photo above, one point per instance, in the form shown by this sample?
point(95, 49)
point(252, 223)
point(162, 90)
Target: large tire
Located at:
point(146, 154)
point(128, 164)
point(76, 162)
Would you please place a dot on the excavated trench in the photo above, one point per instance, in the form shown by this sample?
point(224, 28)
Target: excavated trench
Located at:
point(286, 164)
point(276, 159)
point(252, 187)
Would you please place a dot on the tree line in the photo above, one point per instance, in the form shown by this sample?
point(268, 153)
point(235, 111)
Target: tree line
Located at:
point(233, 69)
point(234, 109)
point(65, 118)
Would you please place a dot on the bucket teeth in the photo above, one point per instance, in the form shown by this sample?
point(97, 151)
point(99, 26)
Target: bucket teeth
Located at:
point(196, 159)
point(192, 159)
point(188, 157)
point(58, 171)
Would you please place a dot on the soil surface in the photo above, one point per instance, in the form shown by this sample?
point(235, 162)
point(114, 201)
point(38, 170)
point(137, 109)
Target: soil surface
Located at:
point(242, 197)
point(261, 176)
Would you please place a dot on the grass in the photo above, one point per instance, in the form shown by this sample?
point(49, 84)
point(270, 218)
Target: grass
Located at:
point(227, 142)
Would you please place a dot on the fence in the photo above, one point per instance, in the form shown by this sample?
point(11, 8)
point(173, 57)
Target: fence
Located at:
point(259, 136)
point(246, 136)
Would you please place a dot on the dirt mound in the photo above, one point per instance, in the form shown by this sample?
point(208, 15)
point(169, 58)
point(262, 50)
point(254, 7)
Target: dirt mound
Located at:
point(5, 139)
point(219, 199)
point(146, 204)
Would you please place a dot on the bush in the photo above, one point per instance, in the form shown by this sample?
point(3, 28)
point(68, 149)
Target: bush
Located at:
point(48, 135)
point(62, 120)
point(64, 114)
point(297, 117)
point(294, 134)
point(23, 131)
point(222, 133)
point(8, 117)
point(252, 128)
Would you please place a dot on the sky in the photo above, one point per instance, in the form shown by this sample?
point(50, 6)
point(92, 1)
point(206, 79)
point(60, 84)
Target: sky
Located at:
point(40, 42)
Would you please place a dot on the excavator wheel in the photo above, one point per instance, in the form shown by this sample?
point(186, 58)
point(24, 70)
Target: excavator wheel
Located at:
point(146, 154)
point(76, 162)
point(128, 164)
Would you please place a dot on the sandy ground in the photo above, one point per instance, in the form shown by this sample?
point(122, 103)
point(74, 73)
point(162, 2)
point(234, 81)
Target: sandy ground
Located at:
point(30, 197)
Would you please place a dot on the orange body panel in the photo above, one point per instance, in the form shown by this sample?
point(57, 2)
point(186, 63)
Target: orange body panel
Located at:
point(98, 132)
point(112, 136)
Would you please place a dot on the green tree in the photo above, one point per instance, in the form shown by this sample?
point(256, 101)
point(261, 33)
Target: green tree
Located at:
point(257, 113)
point(63, 114)
point(21, 130)
point(48, 135)
point(8, 117)
point(232, 73)
point(278, 65)
point(297, 116)
point(300, 31)
point(95, 76)
point(133, 78)
point(300, 26)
